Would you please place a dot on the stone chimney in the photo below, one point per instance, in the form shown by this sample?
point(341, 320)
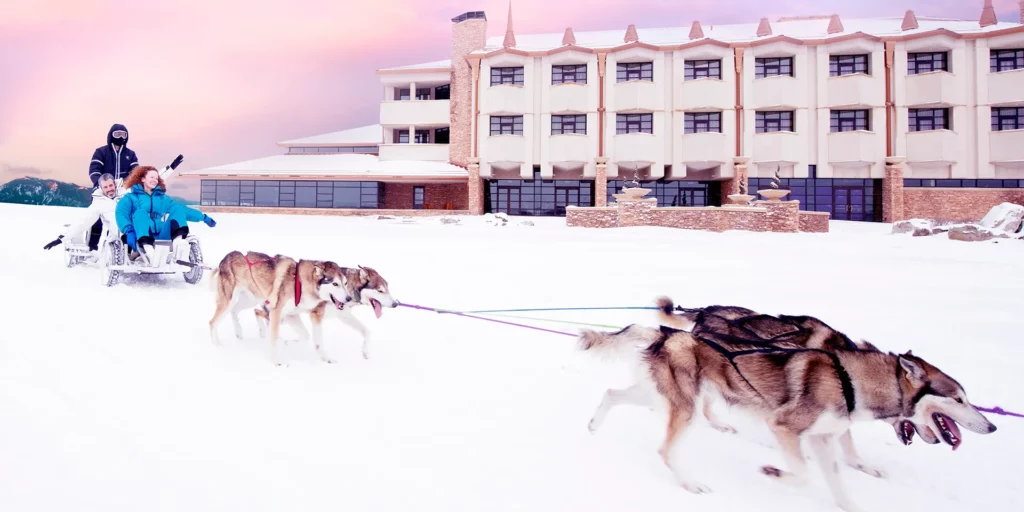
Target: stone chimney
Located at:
point(764, 28)
point(835, 25)
point(631, 35)
point(569, 38)
point(909, 21)
point(988, 15)
point(696, 32)
point(469, 33)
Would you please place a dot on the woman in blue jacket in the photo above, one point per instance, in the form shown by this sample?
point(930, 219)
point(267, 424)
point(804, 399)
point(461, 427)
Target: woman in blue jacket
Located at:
point(146, 213)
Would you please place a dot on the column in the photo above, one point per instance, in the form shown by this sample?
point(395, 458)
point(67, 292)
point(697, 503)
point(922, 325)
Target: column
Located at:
point(412, 134)
point(732, 185)
point(601, 182)
point(892, 189)
point(412, 91)
point(476, 188)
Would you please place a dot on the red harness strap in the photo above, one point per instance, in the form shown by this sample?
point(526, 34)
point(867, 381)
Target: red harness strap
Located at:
point(298, 287)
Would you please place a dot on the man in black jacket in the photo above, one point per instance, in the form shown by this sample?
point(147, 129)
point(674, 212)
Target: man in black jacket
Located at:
point(114, 159)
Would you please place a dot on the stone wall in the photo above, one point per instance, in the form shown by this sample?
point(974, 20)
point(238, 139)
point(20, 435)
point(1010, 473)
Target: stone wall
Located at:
point(744, 219)
point(467, 36)
point(327, 211)
point(601, 217)
point(956, 204)
point(814, 222)
point(782, 217)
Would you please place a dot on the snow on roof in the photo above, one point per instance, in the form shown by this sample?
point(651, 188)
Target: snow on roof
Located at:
point(810, 27)
point(362, 136)
point(349, 165)
point(426, 65)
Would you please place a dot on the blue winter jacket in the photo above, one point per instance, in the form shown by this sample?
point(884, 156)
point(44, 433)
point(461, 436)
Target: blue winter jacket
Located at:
point(151, 214)
point(105, 160)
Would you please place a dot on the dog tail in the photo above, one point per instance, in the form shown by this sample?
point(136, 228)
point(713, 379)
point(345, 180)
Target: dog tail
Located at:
point(866, 345)
point(214, 281)
point(673, 316)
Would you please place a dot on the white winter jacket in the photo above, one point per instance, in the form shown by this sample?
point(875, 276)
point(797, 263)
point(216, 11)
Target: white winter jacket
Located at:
point(102, 207)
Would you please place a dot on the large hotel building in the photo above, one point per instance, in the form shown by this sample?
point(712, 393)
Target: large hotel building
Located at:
point(869, 119)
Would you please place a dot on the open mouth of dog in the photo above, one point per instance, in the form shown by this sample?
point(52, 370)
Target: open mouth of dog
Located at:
point(376, 307)
point(337, 303)
point(906, 432)
point(948, 429)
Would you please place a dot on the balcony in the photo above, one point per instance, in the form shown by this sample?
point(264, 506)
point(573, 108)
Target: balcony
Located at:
point(857, 147)
point(423, 152)
point(777, 91)
point(855, 90)
point(509, 99)
point(935, 146)
point(1005, 87)
point(572, 148)
point(504, 148)
point(636, 95)
point(707, 93)
point(416, 112)
point(706, 148)
point(570, 98)
point(779, 147)
point(638, 147)
point(1006, 147)
point(932, 88)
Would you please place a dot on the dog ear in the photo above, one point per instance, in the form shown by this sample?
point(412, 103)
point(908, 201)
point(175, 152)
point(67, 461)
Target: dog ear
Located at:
point(363, 275)
point(318, 272)
point(914, 371)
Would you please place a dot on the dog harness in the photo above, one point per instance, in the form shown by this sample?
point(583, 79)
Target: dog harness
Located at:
point(298, 283)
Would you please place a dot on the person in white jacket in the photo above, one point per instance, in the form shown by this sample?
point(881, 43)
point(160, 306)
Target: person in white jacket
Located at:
point(104, 203)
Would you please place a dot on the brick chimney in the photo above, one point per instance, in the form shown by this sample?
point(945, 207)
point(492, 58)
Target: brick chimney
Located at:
point(469, 33)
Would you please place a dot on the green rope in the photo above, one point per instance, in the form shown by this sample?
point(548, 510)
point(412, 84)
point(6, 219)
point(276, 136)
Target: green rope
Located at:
point(538, 319)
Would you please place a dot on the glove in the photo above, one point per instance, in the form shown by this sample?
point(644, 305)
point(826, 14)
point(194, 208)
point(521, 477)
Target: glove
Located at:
point(209, 222)
point(54, 243)
point(130, 237)
point(177, 162)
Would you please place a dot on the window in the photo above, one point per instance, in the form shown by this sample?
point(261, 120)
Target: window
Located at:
point(927, 62)
point(537, 196)
point(506, 125)
point(569, 74)
point(441, 136)
point(507, 76)
point(626, 71)
point(1007, 118)
point(675, 192)
point(443, 92)
point(695, 69)
point(417, 198)
point(702, 122)
point(773, 66)
point(841, 65)
point(773, 121)
point(422, 94)
point(569, 124)
point(634, 123)
point(926, 119)
point(964, 183)
point(422, 136)
point(850, 120)
point(334, 149)
point(1005, 60)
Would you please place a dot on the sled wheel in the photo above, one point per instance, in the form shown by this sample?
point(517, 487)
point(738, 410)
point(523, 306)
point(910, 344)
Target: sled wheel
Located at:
point(195, 255)
point(113, 256)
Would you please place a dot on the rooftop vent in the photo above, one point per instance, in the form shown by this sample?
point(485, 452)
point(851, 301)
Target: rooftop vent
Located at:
point(470, 16)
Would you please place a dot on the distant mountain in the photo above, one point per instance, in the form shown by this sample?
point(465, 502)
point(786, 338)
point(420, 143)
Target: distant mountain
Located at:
point(29, 190)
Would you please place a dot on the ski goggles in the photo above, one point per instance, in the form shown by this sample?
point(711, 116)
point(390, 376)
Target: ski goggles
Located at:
point(120, 134)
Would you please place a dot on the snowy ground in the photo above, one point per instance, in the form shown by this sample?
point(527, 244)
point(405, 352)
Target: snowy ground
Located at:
point(114, 399)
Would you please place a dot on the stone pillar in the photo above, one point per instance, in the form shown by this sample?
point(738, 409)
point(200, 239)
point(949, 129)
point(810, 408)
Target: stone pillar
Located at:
point(782, 216)
point(892, 189)
point(636, 212)
point(476, 188)
point(740, 174)
point(601, 182)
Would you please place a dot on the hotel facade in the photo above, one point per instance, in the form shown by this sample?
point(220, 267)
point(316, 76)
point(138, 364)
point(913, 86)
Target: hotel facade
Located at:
point(877, 119)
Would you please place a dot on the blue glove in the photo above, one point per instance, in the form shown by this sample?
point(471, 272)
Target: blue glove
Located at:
point(129, 235)
point(209, 221)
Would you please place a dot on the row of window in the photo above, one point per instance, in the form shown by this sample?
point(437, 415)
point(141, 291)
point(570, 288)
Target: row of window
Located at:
point(292, 193)
point(839, 65)
point(765, 121)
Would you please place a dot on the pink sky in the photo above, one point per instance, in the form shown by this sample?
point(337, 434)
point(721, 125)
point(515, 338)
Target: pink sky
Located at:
point(223, 81)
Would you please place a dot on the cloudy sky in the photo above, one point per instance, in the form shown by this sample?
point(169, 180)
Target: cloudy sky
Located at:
point(223, 81)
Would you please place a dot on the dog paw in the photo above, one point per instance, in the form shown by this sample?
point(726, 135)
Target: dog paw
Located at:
point(772, 471)
point(695, 487)
point(873, 471)
point(593, 425)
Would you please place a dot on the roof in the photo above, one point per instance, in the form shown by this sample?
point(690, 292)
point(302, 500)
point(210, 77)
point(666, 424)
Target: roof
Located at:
point(437, 64)
point(369, 135)
point(339, 165)
point(803, 28)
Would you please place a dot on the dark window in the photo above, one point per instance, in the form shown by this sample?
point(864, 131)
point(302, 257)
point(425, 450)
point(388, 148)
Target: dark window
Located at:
point(334, 149)
point(850, 120)
point(1005, 60)
point(569, 124)
point(626, 71)
point(507, 76)
point(773, 66)
point(292, 193)
point(569, 74)
point(839, 65)
point(537, 196)
point(227, 193)
point(694, 69)
point(927, 62)
point(634, 123)
point(402, 95)
point(844, 199)
point(676, 192)
point(422, 136)
point(246, 193)
point(417, 198)
point(1007, 118)
point(443, 92)
point(926, 119)
point(702, 122)
point(422, 94)
point(506, 125)
point(964, 183)
point(773, 121)
point(267, 193)
point(441, 135)
point(403, 136)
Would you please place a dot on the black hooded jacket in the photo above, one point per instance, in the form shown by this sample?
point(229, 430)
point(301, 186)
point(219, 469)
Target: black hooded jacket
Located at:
point(105, 160)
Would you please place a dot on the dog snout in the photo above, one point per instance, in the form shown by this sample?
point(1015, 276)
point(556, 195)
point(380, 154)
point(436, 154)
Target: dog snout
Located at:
point(991, 428)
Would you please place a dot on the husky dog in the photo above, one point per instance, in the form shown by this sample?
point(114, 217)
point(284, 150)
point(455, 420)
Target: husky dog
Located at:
point(801, 393)
point(285, 286)
point(370, 290)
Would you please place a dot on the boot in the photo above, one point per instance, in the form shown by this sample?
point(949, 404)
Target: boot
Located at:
point(179, 249)
point(148, 253)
